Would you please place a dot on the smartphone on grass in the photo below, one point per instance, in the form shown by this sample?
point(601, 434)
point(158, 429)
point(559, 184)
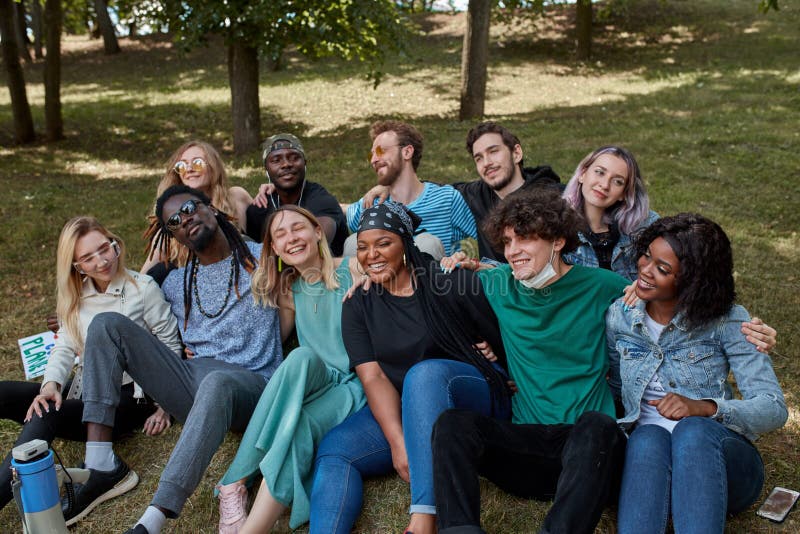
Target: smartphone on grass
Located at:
point(778, 504)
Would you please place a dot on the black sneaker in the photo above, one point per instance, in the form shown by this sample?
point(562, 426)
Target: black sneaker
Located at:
point(138, 529)
point(101, 486)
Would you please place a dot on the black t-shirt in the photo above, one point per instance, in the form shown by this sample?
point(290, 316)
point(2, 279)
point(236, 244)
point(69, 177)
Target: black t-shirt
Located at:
point(315, 199)
point(378, 326)
point(481, 198)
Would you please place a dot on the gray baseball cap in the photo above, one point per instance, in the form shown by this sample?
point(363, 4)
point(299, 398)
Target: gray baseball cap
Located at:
point(279, 142)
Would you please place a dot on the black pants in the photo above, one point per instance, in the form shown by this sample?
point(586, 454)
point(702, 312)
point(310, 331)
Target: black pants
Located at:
point(16, 398)
point(579, 466)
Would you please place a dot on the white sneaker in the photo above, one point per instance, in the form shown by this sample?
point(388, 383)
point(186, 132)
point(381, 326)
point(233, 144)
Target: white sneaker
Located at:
point(232, 504)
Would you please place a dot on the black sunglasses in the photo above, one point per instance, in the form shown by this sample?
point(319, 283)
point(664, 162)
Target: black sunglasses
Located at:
point(187, 208)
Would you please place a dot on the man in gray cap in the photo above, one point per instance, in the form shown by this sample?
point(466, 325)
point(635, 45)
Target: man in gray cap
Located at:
point(285, 164)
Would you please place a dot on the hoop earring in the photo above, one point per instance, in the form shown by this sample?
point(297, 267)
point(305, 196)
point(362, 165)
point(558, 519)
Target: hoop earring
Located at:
point(404, 258)
point(280, 264)
point(358, 269)
point(319, 247)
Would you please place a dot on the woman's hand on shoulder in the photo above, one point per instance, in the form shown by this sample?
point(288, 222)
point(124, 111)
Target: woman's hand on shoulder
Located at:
point(360, 280)
point(157, 423)
point(49, 392)
point(379, 193)
point(452, 262)
point(676, 407)
point(629, 297)
point(760, 334)
point(264, 191)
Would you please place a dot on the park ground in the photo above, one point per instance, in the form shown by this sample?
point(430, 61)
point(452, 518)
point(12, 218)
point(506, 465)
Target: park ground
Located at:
point(705, 93)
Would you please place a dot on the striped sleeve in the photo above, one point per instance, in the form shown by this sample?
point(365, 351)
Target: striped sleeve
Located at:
point(462, 221)
point(354, 214)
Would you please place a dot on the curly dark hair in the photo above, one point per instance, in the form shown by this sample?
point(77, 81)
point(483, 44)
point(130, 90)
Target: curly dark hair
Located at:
point(705, 279)
point(406, 135)
point(538, 211)
point(479, 130)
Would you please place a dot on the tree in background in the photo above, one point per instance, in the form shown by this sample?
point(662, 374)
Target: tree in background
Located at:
point(36, 26)
point(110, 43)
point(54, 124)
point(21, 30)
point(583, 29)
point(363, 30)
point(23, 120)
point(475, 59)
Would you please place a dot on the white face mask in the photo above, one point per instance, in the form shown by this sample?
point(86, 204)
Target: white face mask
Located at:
point(541, 278)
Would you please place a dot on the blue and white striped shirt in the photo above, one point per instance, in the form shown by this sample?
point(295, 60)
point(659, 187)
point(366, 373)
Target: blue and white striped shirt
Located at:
point(443, 211)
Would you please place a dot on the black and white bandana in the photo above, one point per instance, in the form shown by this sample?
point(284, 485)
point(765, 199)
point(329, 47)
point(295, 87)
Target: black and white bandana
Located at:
point(392, 217)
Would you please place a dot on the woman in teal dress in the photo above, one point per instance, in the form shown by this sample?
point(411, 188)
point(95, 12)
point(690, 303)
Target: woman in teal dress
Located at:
point(311, 392)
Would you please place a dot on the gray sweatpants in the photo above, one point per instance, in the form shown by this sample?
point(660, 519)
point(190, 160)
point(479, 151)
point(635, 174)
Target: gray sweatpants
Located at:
point(208, 396)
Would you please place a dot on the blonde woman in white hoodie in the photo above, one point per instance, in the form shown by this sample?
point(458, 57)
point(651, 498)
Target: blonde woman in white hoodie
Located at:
point(91, 278)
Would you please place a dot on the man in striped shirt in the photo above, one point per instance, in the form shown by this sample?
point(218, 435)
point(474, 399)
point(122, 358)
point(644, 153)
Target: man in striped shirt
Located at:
point(395, 156)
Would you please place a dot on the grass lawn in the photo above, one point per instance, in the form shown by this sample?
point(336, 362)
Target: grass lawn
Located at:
point(705, 93)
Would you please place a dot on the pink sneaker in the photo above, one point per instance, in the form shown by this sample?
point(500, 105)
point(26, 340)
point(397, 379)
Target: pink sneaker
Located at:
point(232, 504)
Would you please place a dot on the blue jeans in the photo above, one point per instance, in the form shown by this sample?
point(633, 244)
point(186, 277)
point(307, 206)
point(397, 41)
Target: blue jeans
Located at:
point(357, 447)
point(703, 468)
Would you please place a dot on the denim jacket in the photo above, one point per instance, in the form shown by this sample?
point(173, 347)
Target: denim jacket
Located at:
point(695, 363)
point(623, 257)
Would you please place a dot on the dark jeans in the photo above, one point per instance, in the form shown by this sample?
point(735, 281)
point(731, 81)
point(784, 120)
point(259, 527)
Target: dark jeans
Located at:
point(578, 466)
point(16, 398)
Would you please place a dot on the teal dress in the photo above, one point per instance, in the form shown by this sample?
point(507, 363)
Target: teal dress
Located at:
point(312, 391)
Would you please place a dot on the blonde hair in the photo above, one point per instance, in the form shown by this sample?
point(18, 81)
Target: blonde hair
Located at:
point(267, 282)
point(69, 282)
point(218, 191)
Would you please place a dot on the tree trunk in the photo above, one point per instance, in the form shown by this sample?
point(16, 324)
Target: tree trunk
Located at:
point(243, 75)
point(474, 59)
point(21, 29)
point(23, 120)
point(36, 19)
point(583, 28)
point(54, 123)
point(106, 27)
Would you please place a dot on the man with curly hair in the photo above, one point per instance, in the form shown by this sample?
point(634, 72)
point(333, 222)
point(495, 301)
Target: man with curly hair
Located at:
point(563, 442)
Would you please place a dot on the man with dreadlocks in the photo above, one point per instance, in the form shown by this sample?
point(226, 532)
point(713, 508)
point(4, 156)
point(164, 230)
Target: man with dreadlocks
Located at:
point(235, 345)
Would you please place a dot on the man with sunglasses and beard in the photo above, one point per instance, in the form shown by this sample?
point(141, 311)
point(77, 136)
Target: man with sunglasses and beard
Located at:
point(235, 346)
point(395, 155)
point(285, 164)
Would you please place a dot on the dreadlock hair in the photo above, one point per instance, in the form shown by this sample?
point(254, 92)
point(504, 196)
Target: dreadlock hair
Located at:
point(444, 322)
point(705, 286)
point(162, 241)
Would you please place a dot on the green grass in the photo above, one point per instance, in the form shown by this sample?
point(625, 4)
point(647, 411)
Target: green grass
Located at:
point(705, 93)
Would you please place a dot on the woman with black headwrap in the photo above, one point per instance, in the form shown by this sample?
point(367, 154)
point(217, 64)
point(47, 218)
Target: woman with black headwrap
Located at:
point(411, 338)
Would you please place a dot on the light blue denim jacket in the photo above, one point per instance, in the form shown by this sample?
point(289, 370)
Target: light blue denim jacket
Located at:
point(623, 257)
point(695, 363)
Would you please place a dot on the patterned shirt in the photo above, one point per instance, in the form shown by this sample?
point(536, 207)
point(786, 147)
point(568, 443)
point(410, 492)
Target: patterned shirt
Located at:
point(243, 334)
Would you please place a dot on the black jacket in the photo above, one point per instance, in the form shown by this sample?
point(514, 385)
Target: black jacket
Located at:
point(481, 198)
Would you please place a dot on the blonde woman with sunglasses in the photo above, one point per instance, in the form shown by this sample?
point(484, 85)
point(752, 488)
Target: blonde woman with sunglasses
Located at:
point(91, 279)
point(198, 165)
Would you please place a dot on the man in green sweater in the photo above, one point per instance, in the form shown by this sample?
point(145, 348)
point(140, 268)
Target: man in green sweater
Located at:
point(563, 442)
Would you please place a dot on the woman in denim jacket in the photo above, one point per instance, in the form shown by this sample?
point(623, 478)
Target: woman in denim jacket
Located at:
point(608, 190)
point(691, 448)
